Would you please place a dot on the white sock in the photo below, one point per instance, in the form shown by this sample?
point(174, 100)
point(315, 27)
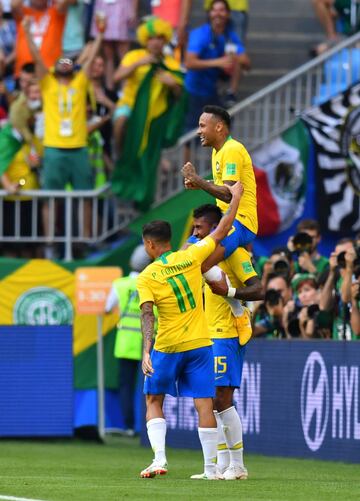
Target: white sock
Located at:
point(223, 455)
point(208, 439)
point(233, 435)
point(215, 275)
point(156, 429)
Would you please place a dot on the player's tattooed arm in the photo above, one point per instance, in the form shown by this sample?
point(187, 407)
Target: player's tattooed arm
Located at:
point(147, 329)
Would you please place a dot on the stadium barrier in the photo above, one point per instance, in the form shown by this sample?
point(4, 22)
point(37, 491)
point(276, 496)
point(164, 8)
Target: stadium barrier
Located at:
point(297, 399)
point(36, 381)
point(66, 217)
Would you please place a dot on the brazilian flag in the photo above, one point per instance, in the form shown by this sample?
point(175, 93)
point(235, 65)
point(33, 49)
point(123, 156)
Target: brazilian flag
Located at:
point(156, 122)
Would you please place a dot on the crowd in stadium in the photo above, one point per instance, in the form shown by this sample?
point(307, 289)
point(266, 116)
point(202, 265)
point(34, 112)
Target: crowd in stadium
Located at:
point(308, 295)
point(70, 74)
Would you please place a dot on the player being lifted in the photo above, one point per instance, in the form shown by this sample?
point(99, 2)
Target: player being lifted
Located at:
point(181, 362)
point(230, 163)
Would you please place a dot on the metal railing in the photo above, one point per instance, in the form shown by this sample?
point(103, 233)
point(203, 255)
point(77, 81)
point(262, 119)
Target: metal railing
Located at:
point(256, 120)
point(269, 112)
point(22, 221)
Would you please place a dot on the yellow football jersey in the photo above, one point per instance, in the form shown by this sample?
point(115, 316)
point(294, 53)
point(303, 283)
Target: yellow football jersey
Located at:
point(174, 284)
point(239, 269)
point(133, 82)
point(233, 163)
point(65, 111)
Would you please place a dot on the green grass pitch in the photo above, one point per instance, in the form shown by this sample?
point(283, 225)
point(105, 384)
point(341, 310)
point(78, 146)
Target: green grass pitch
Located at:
point(77, 471)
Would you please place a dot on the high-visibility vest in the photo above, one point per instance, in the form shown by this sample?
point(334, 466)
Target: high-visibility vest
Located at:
point(128, 343)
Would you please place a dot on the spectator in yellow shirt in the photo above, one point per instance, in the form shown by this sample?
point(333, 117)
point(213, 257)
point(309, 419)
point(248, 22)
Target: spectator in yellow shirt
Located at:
point(153, 35)
point(64, 94)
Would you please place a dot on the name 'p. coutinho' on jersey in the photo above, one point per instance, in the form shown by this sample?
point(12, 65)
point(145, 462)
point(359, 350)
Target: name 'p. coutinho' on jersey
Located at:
point(174, 284)
point(233, 163)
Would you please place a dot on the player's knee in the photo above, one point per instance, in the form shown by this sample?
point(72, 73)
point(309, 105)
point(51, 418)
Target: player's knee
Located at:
point(223, 399)
point(154, 406)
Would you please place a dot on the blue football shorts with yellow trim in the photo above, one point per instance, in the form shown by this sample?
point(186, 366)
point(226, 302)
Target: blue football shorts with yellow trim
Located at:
point(238, 236)
point(228, 361)
point(184, 374)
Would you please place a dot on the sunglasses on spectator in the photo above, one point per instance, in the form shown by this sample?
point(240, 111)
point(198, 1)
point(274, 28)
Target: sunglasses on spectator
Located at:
point(65, 60)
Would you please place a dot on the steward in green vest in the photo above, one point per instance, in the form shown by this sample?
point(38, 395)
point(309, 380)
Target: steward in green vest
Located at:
point(128, 343)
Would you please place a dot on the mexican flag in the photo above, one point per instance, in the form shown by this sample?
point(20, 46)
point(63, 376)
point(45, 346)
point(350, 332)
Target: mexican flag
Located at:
point(156, 122)
point(280, 172)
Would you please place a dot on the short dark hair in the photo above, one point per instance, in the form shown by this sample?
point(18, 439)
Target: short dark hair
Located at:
point(282, 251)
point(308, 224)
point(344, 240)
point(222, 1)
point(158, 230)
point(28, 68)
point(271, 276)
point(219, 113)
point(212, 213)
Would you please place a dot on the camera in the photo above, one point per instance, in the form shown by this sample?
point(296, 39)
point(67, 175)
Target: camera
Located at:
point(281, 266)
point(341, 261)
point(272, 297)
point(312, 310)
point(302, 242)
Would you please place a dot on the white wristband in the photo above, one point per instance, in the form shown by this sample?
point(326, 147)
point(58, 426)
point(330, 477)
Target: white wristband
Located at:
point(231, 292)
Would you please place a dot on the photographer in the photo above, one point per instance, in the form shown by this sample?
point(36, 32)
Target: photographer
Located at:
point(268, 316)
point(304, 317)
point(335, 296)
point(304, 246)
point(355, 309)
point(279, 262)
point(349, 289)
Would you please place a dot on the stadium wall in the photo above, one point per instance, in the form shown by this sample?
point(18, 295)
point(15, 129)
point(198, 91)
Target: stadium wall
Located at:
point(297, 399)
point(36, 381)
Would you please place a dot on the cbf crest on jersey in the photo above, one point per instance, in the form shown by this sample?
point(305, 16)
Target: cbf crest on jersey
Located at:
point(335, 130)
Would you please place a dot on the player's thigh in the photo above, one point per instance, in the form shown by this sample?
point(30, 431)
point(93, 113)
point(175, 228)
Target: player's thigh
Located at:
point(163, 380)
point(238, 236)
point(196, 378)
point(228, 362)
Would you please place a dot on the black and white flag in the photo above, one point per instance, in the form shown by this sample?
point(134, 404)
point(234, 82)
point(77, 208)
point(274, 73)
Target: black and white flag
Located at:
point(335, 130)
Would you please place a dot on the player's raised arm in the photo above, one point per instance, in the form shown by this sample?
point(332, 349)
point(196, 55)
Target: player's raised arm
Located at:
point(147, 329)
point(194, 181)
point(227, 220)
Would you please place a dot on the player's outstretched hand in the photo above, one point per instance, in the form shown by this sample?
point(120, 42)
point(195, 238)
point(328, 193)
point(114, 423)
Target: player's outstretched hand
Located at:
point(146, 365)
point(236, 190)
point(219, 287)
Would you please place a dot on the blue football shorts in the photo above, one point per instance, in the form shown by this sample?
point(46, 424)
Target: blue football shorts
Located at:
point(228, 361)
point(238, 236)
point(184, 374)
